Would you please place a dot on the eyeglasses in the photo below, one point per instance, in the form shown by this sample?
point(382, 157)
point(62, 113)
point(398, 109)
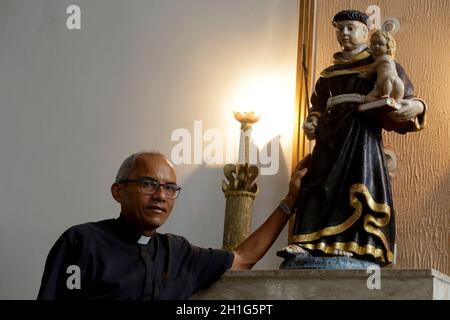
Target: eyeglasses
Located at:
point(150, 186)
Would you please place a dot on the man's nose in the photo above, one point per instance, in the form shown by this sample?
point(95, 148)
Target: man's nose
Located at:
point(160, 194)
point(345, 31)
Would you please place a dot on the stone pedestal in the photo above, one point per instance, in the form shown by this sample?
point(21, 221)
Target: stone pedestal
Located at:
point(405, 284)
point(303, 261)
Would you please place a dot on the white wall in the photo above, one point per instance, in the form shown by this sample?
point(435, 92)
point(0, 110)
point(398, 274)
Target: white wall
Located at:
point(75, 103)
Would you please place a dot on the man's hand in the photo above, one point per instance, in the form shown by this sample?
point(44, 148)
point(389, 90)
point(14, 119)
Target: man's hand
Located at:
point(256, 245)
point(295, 182)
point(409, 110)
point(310, 127)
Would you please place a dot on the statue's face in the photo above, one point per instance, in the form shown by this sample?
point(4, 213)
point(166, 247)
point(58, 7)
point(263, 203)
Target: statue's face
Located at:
point(351, 35)
point(378, 45)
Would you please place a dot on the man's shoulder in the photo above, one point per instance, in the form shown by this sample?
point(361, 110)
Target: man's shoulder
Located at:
point(173, 238)
point(178, 242)
point(87, 229)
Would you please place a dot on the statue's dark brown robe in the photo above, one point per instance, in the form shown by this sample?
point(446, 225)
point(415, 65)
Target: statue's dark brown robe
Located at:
point(345, 200)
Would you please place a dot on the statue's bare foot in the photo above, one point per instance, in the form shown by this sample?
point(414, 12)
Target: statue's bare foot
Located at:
point(291, 250)
point(342, 253)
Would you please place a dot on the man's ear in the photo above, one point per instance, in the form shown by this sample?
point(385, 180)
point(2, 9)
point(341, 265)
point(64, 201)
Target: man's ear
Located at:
point(116, 192)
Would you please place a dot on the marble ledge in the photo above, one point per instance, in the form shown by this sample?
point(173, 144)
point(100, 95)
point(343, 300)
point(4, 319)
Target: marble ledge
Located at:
point(392, 284)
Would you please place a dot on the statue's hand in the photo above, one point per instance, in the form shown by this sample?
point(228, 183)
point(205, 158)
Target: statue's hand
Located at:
point(409, 110)
point(310, 127)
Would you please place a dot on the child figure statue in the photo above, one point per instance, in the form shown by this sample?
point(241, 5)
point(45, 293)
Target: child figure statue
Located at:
point(388, 84)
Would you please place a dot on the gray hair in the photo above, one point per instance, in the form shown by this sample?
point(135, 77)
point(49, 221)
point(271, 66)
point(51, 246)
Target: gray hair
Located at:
point(128, 164)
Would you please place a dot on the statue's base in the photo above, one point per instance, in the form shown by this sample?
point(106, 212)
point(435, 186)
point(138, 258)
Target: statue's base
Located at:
point(409, 284)
point(304, 261)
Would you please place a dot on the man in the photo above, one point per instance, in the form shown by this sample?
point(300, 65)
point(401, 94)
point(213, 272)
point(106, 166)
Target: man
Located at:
point(126, 258)
point(346, 200)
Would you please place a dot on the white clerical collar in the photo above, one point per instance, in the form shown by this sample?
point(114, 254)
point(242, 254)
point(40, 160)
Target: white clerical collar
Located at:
point(144, 240)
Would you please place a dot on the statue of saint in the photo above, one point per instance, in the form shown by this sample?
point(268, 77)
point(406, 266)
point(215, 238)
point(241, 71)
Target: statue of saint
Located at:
point(345, 206)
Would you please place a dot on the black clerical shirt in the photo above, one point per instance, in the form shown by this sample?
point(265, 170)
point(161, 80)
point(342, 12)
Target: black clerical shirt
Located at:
point(113, 265)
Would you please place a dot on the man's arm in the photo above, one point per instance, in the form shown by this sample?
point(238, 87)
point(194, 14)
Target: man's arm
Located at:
point(258, 243)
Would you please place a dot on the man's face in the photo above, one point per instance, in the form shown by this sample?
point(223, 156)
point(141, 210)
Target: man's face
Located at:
point(351, 34)
point(378, 45)
point(147, 212)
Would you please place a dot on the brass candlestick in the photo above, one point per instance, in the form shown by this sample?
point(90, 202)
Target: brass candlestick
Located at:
point(240, 189)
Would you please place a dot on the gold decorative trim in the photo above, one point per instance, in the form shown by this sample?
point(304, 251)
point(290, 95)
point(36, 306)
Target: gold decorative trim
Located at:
point(229, 194)
point(371, 223)
point(337, 59)
point(361, 69)
point(349, 247)
point(329, 231)
point(374, 206)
